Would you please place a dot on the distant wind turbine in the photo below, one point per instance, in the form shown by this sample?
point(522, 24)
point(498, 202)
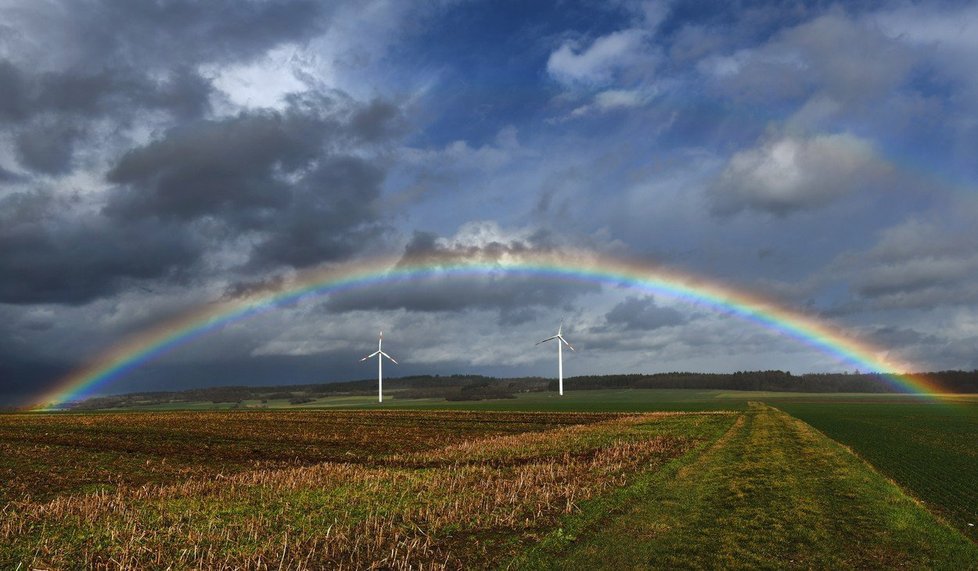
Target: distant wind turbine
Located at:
point(380, 366)
point(560, 355)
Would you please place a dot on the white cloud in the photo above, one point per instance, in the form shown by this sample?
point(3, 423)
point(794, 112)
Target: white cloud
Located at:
point(613, 99)
point(263, 82)
point(481, 233)
point(792, 173)
point(597, 64)
point(617, 98)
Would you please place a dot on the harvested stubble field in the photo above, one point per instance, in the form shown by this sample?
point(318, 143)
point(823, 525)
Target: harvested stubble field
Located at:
point(43, 456)
point(754, 488)
point(462, 488)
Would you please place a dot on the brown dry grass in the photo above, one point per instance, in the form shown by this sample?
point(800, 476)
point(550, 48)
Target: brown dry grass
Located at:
point(43, 456)
point(469, 504)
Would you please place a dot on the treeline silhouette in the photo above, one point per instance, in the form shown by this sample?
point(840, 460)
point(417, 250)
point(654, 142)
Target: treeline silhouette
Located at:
point(780, 381)
point(476, 387)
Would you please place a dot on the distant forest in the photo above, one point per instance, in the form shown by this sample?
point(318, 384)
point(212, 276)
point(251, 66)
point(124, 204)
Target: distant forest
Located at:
point(475, 387)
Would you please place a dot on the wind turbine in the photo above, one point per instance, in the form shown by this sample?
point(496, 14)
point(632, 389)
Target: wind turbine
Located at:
point(560, 355)
point(380, 366)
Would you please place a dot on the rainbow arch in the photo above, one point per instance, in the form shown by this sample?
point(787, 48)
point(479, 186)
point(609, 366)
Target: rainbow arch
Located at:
point(578, 266)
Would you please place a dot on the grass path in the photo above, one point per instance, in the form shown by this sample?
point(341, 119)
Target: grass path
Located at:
point(771, 493)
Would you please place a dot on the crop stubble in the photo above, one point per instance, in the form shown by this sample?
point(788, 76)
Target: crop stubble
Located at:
point(447, 500)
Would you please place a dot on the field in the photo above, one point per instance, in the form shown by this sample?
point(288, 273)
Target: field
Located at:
point(43, 456)
point(930, 450)
point(721, 481)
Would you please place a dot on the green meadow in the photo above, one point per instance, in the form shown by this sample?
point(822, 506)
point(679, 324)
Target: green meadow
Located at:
point(606, 479)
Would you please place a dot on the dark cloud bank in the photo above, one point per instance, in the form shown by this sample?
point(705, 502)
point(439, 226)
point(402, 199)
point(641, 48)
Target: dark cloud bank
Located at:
point(278, 178)
point(516, 298)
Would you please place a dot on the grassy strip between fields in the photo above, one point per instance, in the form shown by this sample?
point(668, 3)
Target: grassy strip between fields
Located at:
point(772, 493)
point(465, 505)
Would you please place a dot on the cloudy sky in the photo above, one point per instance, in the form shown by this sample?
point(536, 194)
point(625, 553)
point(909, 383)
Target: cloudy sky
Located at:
point(156, 156)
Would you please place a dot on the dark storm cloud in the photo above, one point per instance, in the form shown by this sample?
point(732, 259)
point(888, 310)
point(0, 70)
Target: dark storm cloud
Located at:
point(923, 262)
point(286, 178)
point(248, 288)
point(112, 59)
point(91, 94)
point(48, 255)
point(47, 147)
point(204, 167)
point(330, 216)
point(7, 176)
point(49, 113)
point(120, 33)
point(283, 175)
point(515, 297)
point(14, 98)
point(22, 379)
point(643, 314)
point(191, 31)
point(184, 93)
point(891, 336)
point(377, 121)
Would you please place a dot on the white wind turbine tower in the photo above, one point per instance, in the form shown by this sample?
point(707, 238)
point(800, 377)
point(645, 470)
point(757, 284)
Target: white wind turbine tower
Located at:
point(560, 355)
point(380, 366)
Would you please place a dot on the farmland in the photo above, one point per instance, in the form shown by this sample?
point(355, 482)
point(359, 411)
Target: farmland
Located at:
point(930, 450)
point(771, 493)
point(740, 485)
point(468, 499)
point(43, 456)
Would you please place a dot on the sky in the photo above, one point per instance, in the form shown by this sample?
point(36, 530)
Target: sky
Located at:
point(159, 156)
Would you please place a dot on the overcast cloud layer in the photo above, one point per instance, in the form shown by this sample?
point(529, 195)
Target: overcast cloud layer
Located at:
point(159, 156)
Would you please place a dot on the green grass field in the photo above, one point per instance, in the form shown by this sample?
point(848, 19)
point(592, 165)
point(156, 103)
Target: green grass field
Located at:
point(715, 479)
point(929, 449)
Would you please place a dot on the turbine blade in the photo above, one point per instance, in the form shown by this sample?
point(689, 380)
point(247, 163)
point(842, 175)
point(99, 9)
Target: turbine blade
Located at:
point(547, 339)
point(374, 354)
point(566, 343)
point(389, 357)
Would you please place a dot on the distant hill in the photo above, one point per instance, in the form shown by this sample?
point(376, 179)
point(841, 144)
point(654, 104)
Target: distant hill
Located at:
point(476, 387)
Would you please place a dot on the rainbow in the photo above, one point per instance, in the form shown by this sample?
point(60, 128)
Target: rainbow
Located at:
point(576, 266)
